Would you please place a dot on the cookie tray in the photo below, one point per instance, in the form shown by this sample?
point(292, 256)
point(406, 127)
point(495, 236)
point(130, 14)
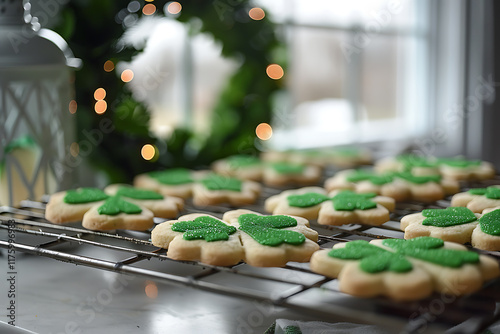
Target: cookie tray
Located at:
point(294, 286)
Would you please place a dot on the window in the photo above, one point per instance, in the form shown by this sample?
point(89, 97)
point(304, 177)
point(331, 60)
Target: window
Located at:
point(356, 71)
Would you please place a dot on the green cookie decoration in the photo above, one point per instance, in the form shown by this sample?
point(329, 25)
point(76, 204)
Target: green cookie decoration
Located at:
point(218, 182)
point(349, 201)
point(287, 168)
point(418, 179)
point(140, 194)
point(490, 223)
point(204, 227)
point(306, 200)
point(84, 195)
point(429, 249)
point(266, 229)
point(459, 163)
point(490, 192)
point(410, 161)
point(448, 217)
point(116, 205)
point(373, 259)
point(366, 176)
point(173, 177)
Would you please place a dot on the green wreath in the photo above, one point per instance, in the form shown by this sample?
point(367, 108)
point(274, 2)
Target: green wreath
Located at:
point(91, 31)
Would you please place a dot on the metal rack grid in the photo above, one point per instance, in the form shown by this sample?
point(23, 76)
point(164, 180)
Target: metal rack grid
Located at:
point(293, 286)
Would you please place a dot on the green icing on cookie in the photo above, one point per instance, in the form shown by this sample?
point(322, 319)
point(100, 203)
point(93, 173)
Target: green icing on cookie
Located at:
point(366, 176)
point(140, 194)
point(373, 259)
point(173, 177)
point(348, 201)
point(490, 192)
point(287, 168)
point(84, 195)
point(242, 161)
point(459, 163)
point(448, 217)
point(306, 200)
point(218, 182)
point(204, 227)
point(266, 230)
point(418, 179)
point(429, 249)
point(490, 223)
point(410, 160)
point(116, 205)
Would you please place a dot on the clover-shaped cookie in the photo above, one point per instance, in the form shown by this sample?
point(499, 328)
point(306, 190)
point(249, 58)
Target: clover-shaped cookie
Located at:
point(69, 206)
point(215, 189)
point(336, 208)
point(75, 205)
point(279, 174)
point(456, 224)
point(176, 182)
point(404, 269)
point(449, 168)
point(242, 235)
point(462, 169)
point(118, 213)
point(342, 157)
point(245, 167)
point(478, 199)
point(162, 206)
point(401, 186)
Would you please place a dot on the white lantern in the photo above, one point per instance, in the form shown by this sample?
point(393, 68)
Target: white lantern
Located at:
point(36, 125)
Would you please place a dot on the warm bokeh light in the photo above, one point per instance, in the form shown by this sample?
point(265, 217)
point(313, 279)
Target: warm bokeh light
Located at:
point(174, 7)
point(148, 152)
point(264, 131)
point(99, 94)
point(149, 9)
point(151, 290)
point(274, 71)
point(127, 75)
point(109, 66)
point(74, 149)
point(72, 106)
point(256, 13)
point(100, 107)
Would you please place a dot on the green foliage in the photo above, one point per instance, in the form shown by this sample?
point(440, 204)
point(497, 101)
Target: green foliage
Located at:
point(90, 29)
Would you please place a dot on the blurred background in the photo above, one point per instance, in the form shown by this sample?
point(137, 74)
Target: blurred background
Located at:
point(158, 84)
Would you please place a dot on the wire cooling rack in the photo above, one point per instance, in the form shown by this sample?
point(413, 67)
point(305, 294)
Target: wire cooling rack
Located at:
point(293, 286)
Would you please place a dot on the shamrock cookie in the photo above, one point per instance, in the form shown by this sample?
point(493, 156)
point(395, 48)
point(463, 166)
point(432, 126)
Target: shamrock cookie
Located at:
point(404, 269)
point(309, 208)
point(258, 240)
point(118, 213)
point(461, 169)
point(245, 167)
point(272, 241)
point(281, 174)
point(478, 199)
point(345, 157)
point(414, 164)
point(457, 224)
point(215, 189)
point(176, 182)
point(337, 208)
point(449, 168)
point(161, 206)
point(70, 206)
point(400, 186)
